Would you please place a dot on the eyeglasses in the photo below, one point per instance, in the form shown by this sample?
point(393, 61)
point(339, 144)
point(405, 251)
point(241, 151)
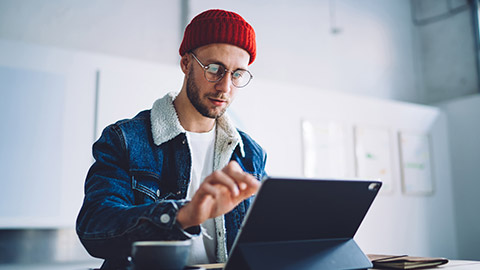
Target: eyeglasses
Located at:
point(215, 72)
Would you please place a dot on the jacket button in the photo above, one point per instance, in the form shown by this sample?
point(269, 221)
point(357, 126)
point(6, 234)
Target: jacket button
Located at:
point(158, 192)
point(165, 218)
point(179, 192)
point(183, 142)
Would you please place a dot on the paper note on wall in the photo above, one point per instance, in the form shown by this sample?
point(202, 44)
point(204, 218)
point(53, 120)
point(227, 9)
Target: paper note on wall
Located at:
point(324, 149)
point(415, 163)
point(373, 155)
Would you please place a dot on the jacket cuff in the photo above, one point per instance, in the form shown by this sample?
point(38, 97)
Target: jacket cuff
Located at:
point(164, 215)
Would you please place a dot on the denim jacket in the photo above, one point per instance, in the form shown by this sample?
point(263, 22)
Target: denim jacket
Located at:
point(139, 181)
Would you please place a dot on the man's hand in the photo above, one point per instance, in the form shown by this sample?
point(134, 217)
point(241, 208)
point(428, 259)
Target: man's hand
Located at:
point(218, 194)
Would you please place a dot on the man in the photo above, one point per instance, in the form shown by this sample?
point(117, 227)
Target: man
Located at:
point(180, 170)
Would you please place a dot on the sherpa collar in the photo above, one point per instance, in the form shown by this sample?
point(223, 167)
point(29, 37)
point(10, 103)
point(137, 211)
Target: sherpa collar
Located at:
point(166, 125)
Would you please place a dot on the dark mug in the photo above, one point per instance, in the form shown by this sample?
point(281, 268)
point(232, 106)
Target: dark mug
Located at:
point(160, 255)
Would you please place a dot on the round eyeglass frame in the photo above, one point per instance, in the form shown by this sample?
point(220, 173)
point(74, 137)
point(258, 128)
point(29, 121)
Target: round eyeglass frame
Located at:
point(206, 67)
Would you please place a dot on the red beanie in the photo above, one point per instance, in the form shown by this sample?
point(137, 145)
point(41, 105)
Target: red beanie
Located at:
point(219, 26)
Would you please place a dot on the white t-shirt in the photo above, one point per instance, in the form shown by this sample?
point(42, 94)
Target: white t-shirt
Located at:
point(202, 150)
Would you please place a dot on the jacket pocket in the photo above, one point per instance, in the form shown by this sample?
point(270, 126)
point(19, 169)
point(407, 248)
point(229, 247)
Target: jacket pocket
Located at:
point(146, 187)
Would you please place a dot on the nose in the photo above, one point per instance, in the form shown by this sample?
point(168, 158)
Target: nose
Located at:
point(225, 84)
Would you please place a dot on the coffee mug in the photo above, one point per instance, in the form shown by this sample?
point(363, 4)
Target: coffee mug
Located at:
point(160, 255)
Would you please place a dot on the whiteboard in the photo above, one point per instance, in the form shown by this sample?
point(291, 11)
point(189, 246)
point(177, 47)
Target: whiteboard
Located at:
point(31, 145)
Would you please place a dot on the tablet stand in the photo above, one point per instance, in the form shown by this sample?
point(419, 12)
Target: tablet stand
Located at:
point(306, 255)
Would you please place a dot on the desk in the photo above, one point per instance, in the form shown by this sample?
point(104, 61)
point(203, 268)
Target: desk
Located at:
point(453, 265)
point(461, 265)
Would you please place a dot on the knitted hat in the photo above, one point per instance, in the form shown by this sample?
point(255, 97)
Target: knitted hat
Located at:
point(219, 26)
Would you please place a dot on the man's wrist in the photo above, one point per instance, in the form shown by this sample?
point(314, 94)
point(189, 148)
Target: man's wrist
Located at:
point(182, 218)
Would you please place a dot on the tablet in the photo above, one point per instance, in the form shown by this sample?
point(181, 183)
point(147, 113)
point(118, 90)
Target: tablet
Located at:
point(306, 223)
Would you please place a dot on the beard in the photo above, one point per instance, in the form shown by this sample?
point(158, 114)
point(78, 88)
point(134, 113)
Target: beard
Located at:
point(193, 94)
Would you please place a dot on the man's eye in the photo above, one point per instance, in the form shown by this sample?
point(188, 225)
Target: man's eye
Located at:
point(238, 74)
point(213, 68)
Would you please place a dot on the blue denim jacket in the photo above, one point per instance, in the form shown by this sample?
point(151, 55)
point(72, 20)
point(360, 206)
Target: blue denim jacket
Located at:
point(139, 181)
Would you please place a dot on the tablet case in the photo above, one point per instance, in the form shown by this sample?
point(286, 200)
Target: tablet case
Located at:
point(304, 224)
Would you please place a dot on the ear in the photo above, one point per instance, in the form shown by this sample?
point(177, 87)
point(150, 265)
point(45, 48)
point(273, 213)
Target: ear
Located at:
point(184, 63)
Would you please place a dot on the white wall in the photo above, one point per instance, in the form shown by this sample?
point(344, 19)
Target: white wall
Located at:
point(371, 53)
point(464, 141)
point(142, 29)
point(367, 47)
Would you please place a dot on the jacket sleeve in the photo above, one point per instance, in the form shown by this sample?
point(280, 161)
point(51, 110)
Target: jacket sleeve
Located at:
point(109, 221)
